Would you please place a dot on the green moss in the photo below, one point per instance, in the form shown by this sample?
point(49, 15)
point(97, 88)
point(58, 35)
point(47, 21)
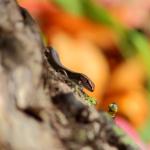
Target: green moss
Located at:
point(90, 100)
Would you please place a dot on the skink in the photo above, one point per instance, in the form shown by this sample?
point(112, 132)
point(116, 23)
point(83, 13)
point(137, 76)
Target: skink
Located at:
point(79, 78)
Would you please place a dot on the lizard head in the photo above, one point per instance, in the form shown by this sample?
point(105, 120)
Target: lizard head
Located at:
point(87, 83)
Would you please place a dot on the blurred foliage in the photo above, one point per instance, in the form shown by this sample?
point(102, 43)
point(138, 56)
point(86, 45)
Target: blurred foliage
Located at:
point(71, 6)
point(131, 41)
point(145, 131)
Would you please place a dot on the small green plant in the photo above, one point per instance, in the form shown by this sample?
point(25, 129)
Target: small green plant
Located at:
point(90, 100)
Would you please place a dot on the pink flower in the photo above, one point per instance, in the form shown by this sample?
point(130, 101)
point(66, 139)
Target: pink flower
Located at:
point(131, 132)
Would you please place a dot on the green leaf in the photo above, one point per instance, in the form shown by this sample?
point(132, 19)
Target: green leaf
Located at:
point(142, 46)
point(145, 131)
point(71, 6)
point(99, 14)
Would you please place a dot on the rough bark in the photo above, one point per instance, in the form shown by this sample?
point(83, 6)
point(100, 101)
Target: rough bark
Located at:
point(39, 109)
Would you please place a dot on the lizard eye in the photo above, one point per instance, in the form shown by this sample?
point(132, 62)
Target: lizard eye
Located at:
point(84, 80)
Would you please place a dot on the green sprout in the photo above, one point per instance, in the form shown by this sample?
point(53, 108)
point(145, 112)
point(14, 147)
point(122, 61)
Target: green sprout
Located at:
point(90, 100)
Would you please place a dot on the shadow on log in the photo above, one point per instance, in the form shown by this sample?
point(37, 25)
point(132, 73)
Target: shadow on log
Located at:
point(38, 110)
